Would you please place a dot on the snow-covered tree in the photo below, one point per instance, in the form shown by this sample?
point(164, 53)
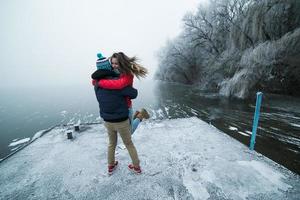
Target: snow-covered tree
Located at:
point(237, 47)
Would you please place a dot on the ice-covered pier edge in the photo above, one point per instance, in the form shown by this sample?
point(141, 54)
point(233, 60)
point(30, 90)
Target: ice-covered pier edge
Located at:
point(181, 158)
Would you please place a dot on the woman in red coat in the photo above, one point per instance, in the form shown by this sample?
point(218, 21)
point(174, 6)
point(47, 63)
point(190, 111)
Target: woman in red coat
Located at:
point(128, 68)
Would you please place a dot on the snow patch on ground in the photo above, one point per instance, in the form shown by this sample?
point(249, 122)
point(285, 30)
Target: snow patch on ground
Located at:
point(180, 158)
point(273, 177)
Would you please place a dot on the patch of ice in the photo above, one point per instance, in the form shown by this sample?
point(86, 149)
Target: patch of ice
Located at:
point(153, 115)
point(276, 129)
point(194, 111)
point(296, 125)
point(293, 150)
point(242, 133)
point(233, 128)
point(37, 135)
point(89, 115)
point(167, 110)
point(64, 112)
point(160, 113)
point(14, 148)
point(19, 142)
point(71, 121)
point(78, 123)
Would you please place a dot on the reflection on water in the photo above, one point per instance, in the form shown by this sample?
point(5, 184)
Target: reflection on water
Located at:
point(25, 112)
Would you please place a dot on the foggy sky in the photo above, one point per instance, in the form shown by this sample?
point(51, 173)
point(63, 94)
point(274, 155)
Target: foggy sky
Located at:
point(55, 42)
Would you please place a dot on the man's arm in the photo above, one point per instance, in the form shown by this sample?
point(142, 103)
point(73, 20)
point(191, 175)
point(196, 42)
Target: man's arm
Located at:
point(130, 92)
point(103, 73)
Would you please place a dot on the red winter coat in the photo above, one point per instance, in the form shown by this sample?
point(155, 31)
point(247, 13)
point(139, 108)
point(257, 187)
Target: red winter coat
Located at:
point(117, 84)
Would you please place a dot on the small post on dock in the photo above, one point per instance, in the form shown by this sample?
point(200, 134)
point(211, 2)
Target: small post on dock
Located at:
point(255, 120)
point(76, 128)
point(69, 135)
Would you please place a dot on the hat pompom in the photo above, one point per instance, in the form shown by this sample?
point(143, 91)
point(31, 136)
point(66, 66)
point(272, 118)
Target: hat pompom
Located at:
point(100, 56)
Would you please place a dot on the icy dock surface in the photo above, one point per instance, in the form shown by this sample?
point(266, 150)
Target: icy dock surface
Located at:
point(181, 159)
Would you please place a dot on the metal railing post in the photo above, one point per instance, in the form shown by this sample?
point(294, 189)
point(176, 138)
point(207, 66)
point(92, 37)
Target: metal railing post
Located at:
point(255, 120)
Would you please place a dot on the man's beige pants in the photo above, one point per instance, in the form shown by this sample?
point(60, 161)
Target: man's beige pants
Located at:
point(124, 129)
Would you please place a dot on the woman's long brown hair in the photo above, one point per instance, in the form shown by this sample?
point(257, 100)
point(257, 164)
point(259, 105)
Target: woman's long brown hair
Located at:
point(129, 65)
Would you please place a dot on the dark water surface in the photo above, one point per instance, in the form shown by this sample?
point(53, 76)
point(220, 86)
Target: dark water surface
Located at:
point(25, 112)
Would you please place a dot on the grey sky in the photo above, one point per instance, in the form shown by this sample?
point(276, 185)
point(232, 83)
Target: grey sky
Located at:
point(55, 42)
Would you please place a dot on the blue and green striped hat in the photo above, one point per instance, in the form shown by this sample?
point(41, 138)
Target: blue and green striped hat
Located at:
point(103, 62)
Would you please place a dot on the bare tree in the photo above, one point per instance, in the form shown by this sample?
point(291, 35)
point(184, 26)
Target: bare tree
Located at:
point(201, 30)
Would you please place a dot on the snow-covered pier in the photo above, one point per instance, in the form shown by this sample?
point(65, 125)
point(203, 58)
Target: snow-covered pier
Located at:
point(181, 159)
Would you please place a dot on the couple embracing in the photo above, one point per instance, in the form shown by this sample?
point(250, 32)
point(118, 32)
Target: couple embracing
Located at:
point(113, 87)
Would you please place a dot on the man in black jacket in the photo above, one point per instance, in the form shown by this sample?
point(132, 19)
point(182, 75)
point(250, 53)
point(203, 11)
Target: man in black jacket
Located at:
point(114, 111)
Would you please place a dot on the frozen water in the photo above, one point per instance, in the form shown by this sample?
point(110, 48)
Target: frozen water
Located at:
point(78, 123)
point(181, 159)
point(19, 142)
point(242, 133)
point(37, 135)
point(233, 128)
point(64, 112)
point(296, 125)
